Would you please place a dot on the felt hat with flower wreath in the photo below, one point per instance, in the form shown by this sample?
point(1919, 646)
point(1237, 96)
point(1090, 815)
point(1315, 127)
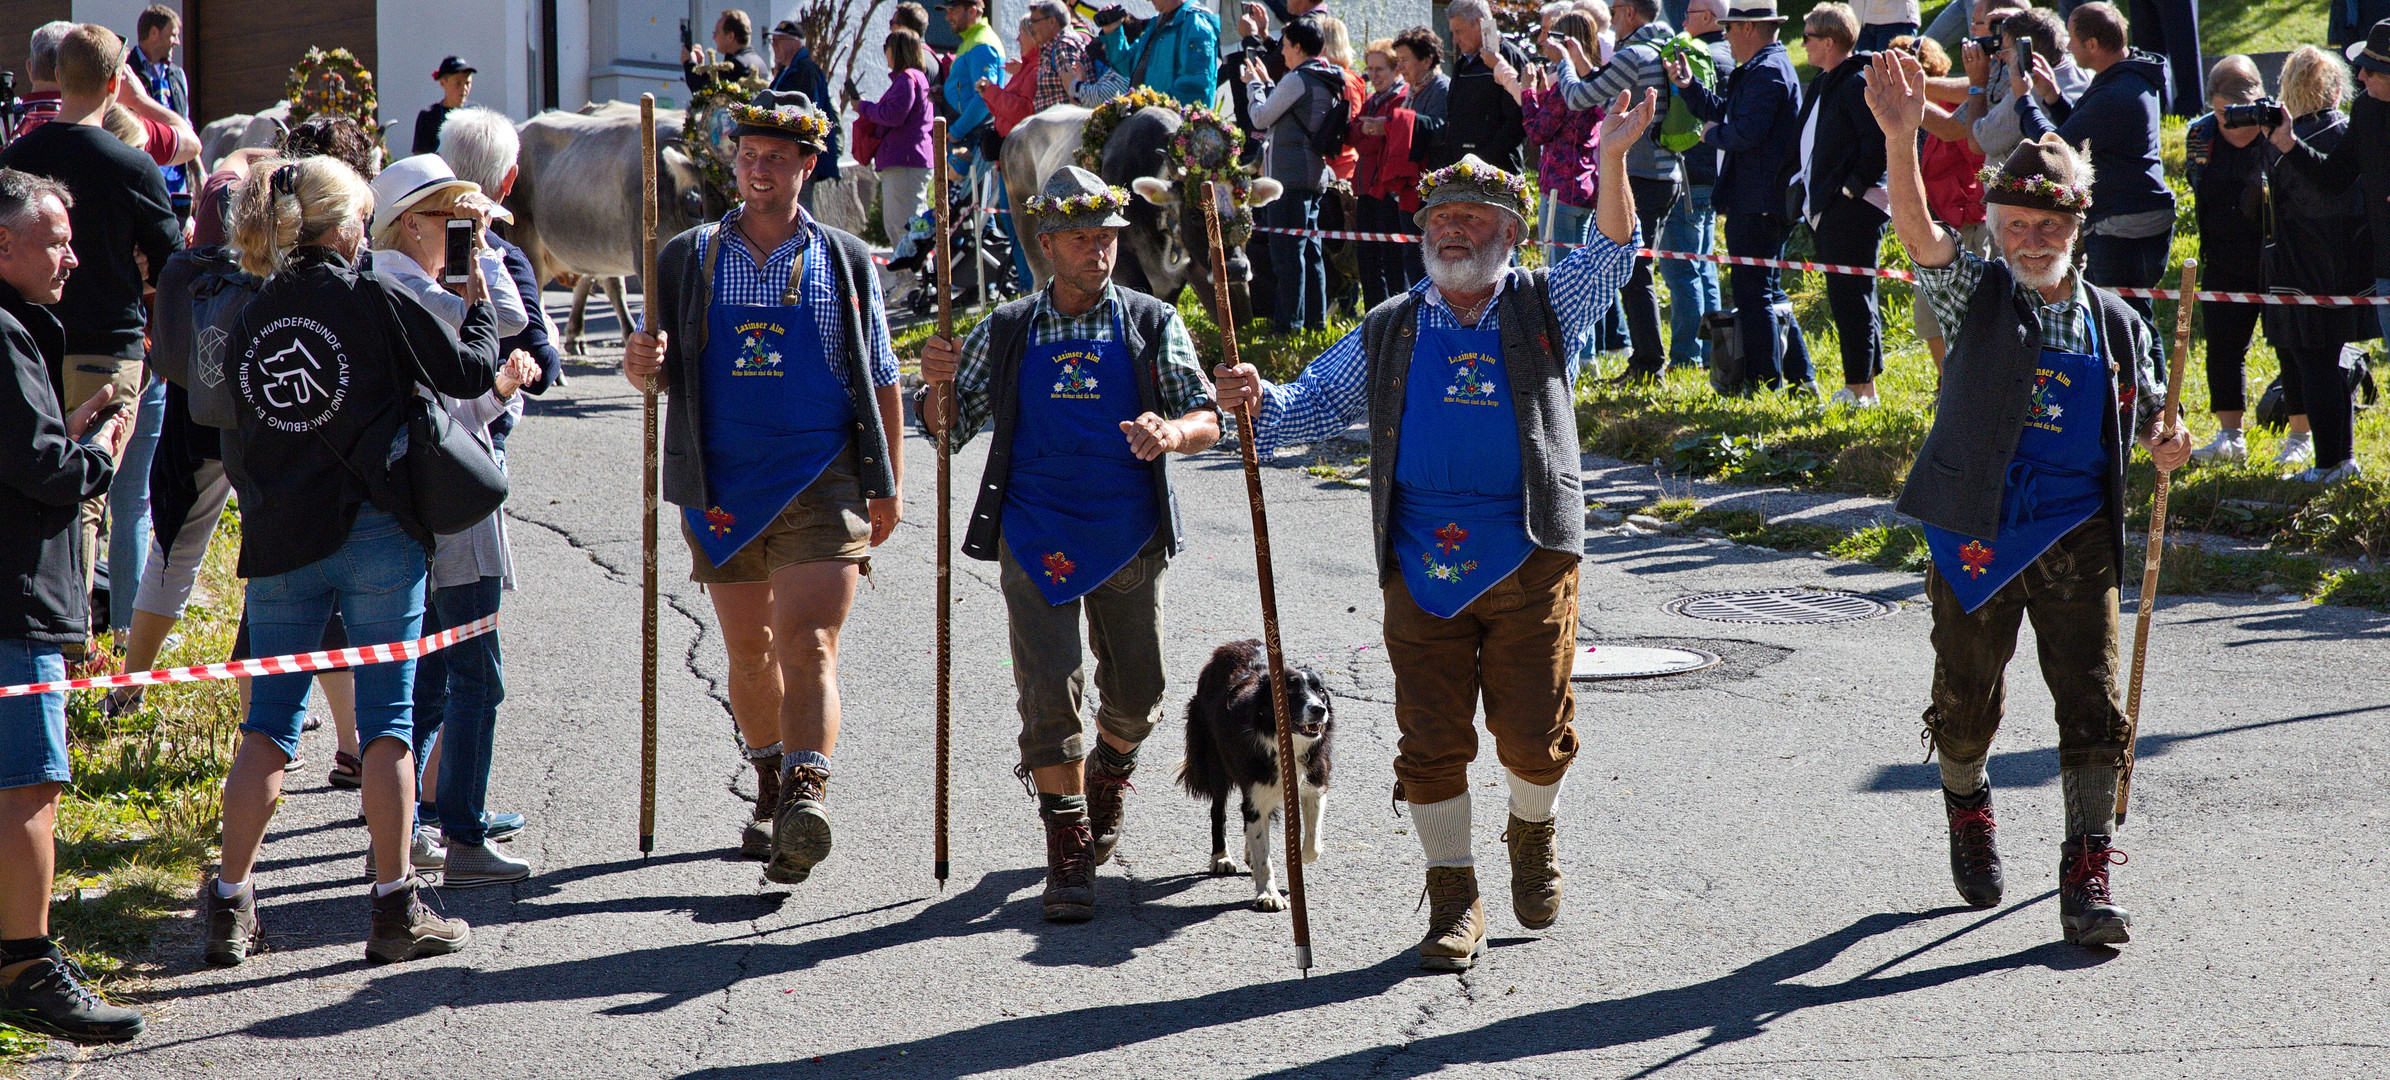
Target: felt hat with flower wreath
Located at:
point(783, 114)
point(1472, 180)
point(1077, 199)
point(2041, 174)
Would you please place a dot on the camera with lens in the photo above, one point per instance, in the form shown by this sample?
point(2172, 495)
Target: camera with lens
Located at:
point(2263, 112)
point(1990, 43)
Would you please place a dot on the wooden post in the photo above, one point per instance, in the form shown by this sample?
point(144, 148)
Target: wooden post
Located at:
point(943, 401)
point(1290, 771)
point(647, 485)
point(2157, 532)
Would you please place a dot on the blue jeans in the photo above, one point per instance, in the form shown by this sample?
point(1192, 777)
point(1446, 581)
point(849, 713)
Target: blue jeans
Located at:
point(457, 691)
point(1572, 225)
point(128, 507)
point(1758, 291)
point(375, 582)
point(1692, 286)
point(2117, 262)
point(32, 726)
point(1297, 262)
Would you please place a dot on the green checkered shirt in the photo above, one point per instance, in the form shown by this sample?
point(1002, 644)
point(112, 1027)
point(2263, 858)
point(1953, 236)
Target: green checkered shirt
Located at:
point(1184, 388)
point(2065, 325)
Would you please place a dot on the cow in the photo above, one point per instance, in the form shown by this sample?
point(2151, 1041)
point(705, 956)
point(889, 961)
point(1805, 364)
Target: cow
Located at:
point(576, 200)
point(1166, 246)
point(241, 131)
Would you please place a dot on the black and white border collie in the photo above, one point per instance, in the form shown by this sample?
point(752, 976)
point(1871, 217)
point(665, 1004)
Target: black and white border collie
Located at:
point(1232, 745)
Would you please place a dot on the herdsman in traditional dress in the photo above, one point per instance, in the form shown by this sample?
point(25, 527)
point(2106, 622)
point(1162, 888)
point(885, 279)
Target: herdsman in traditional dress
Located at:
point(781, 448)
point(2021, 488)
point(1090, 385)
point(1479, 517)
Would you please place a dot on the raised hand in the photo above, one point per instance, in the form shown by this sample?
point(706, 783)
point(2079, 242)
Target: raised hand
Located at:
point(1896, 93)
point(1627, 119)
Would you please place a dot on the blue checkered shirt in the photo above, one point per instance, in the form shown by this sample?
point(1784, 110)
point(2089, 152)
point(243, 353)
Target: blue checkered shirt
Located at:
point(1335, 388)
point(739, 281)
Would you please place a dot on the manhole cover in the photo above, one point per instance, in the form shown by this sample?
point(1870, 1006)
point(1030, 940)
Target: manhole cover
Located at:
point(1780, 606)
point(1638, 662)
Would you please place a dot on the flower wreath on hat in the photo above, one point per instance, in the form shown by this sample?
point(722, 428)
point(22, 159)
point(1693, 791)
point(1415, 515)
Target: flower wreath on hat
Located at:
point(804, 125)
point(1108, 199)
point(2071, 198)
point(1514, 183)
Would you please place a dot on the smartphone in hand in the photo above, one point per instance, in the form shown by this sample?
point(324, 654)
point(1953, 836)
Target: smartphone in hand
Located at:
point(460, 252)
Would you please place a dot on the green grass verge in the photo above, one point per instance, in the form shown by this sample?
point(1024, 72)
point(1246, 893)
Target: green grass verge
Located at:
point(140, 820)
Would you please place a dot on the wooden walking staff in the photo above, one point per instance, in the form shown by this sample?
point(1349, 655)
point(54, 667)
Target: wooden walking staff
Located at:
point(647, 485)
point(944, 402)
point(1289, 770)
point(2157, 533)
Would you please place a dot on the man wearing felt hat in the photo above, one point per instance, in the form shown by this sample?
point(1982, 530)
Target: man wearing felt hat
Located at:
point(1090, 386)
point(2021, 487)
point(1477, 510)
point(781, 448)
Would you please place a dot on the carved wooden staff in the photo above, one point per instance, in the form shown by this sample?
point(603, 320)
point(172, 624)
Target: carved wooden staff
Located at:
point(1289, 770)
point(647, 485)
point(2157, 533)
point(943, 401)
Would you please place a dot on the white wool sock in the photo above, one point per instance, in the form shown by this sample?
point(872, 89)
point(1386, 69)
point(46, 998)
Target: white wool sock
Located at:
point(386, 888)
point(229, 889)
point(1964, 777)
point(1533, 802)
point(1444, 831)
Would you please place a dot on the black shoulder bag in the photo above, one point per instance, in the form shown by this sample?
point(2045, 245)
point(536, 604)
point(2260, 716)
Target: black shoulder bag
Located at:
point(447, 472)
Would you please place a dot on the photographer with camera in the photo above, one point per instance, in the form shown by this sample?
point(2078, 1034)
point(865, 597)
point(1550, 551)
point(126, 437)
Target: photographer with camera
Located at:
point(2227, 173)
point(2131, 224)
point(2363, 156)
point(2018, 35)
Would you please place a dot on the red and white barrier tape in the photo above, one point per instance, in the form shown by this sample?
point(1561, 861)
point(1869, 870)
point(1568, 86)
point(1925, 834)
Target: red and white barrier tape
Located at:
point(270, 665)
point(1872, 271)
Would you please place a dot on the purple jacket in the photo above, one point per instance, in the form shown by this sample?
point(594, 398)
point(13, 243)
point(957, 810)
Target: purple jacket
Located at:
point(1572, 140)
point(903, 116)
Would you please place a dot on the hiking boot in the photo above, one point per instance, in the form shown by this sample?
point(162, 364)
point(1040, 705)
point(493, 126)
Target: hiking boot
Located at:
point(1534, 872)
point(1107, 798)
point(1070, 869)
point(404, 929)
point(755, 842)
point(473, 865)
point(1455, 920)
point(2086, 912)
point(800, 827)
point(1974, 858)
point(47, 996)
point(232, 930)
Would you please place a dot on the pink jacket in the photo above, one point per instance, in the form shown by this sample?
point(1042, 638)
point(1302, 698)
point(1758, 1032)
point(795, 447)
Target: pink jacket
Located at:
point(901, 119)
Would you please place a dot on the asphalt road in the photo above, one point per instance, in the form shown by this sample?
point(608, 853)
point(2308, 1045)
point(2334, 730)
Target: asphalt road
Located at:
point(1755, 861)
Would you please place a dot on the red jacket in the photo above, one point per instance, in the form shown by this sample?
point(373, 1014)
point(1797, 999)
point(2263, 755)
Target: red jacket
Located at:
point(1385, 167)
point(1952, 190)
point(1013, 102)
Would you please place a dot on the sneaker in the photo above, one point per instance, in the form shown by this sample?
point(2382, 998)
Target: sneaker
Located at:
point(755, 841)
point(801, 825)
point(473, 865)
point(1534, 872)
point(2296, 450)
point(2317, 474)
point(47, 996)
point(1974, 857)
point(1070, 869)
point(232, 929)
point(1848, 398)
point(404, 929)
point(2087, 915)
point(424, 852)
point(122, 702)
point(1107, 799)
point(499, 828)
point(1455, 919)
point(2228, 447)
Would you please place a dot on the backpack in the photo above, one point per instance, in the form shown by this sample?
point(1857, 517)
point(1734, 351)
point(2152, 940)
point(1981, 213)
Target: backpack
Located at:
point(1328, 140)
point(190, 353)
point(1680, 130)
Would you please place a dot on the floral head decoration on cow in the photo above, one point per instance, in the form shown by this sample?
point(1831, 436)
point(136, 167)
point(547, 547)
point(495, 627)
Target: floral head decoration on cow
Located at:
point(1077, 199)
point(782, 114)
point(1472, 180)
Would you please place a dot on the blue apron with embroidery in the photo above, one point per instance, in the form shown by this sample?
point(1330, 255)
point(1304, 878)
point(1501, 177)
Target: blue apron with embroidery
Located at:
point(1078, 504)
point(775, 417)
point(2057, 480)
point(1460, 507)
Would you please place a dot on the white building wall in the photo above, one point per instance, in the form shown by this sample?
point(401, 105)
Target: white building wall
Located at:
point(118, 15)
point(412, 36)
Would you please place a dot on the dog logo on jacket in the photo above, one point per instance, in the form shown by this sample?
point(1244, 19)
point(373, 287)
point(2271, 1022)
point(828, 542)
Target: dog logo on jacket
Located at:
point(1232, 745)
